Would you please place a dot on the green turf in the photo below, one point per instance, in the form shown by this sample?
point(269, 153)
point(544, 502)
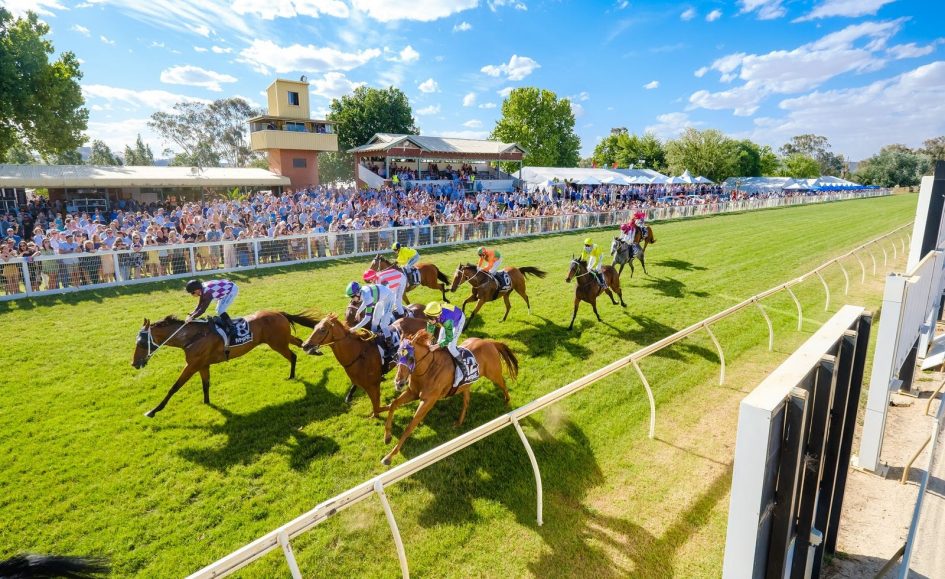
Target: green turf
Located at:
point(85, 473)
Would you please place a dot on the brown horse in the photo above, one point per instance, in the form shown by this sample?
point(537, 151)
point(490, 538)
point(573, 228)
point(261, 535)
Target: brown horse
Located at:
point(204, 347)
point(485, 288)
point(588, 290)
point(428, 373)
point(430, 276)
point(357, 353)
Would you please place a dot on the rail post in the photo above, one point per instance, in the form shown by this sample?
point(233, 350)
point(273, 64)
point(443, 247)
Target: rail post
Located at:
point(398, 542)
point(872, 257)
point(283, 539)
point(885, 256)
point(718, 347)
point(862, 268)
point(895, 250)
point(846, 277)
point(770, 327)
point(531, 457)
point(649, 393)
point(826, 289)
point(800, 312)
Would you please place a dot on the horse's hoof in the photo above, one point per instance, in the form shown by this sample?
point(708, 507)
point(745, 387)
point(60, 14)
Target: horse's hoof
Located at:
point(387, 438)
point(385, 461)
point(149, 414)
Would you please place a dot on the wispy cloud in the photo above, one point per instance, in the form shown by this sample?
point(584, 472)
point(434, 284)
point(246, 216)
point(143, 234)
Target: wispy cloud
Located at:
point(81, 30)
point(688, 14)
point(265, 55)
point(652, 84)
point(844, 8)
point(517, 68)
point(428, 86)
point(713, 16)
point(190, 75)
point(462, 27)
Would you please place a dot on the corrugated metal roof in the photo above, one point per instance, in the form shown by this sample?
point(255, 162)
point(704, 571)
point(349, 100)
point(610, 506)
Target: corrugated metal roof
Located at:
point(383, 141)
point(79, 176)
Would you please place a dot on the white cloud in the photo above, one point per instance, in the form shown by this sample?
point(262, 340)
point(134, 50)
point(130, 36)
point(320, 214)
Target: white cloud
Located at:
point(701, 72)
point(670, 125)
point(430, 110)
point(189, 75)
point(406, 56)
point(505, 91)
point(19, 8)
point(156, 44)
point(221, 50)
point(81, 30)
point(333, 85)
point(623, 5)
point(487, 106)
point(106, 40)
point(462, 27)
point(582, 96)
point(201, 17)
point(521, 6)
point(477, 135)
point(271, 9)
point(911, 50)
point(689, 14)
point(713, 16)
point(652, 84)
point(766, 9)
point(421, 10)
point(517, 68)
point(149, 100)
point(469, 100)
point(429, 85)
point(907, 108)
point(472, 124)
point(848, 8)
point(577, 109)
point(202, 30)
point(200, 49)
point(263, 55)
point(118, 134)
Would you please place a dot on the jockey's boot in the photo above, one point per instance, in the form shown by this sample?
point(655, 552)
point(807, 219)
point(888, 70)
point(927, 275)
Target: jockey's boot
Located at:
point(228, 330)
point(462, 367)
point(600, 279)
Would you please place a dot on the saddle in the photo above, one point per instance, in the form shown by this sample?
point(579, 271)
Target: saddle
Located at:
point(240, 335)
point(505, 281)
point(471, 365)
point(387, 348)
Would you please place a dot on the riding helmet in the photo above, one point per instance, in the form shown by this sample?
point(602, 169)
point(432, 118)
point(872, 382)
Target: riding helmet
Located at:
point(370, 275)
point(193, 285)
point(588, 241)
point(353, 289)
point(433, 309)
point(396, 246)
point(480, 251)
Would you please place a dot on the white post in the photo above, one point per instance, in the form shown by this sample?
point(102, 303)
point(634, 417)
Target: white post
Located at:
point(649, 394)
point(718, 347)
point(846, 277)
point(193, 261)
point(398, 542)
point(26, 278)
point(826, 289)
point(800, 313)
point(770, 327)
point(283, 539)
point(862, 267)
point(309, 239)
point(117, 268)
point(255, 254)
point(531, 457)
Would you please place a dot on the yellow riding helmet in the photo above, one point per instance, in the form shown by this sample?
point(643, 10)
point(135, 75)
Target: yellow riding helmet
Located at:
point(588, 241)
point(433, 309)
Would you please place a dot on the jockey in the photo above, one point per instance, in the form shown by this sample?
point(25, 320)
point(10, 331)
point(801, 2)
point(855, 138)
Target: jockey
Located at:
point(450, 320)
point(376, 303)
point(490, 262)
point(592, 255)
point(640, 219)
point(222, 290)
point(407, 257)
point(397, 305)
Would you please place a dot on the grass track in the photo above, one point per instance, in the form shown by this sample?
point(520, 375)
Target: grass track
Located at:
point(161, 498)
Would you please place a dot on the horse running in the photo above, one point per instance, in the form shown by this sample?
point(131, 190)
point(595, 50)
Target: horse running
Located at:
point(430, 276)
point(428, 372)
point(357, 353)
point(588, 290)
point(203, 347)
point(485, 288)
point(625, 253)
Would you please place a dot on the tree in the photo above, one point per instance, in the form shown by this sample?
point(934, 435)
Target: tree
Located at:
point(18, 155)
point(335, 167)
point(73, 157)
point(747, 159)
point(770, 163)
point(800, 166)
point(366, 111)
point(207, 135)
point(708, 153)
point(141, 155)
point(818, 148)
point(627, 150)
point(894, 165)
point(934, 149)
point(102, 155)
point(40, 101)
point(542, 124)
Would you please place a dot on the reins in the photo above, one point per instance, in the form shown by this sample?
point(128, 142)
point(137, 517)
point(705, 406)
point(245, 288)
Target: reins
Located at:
point(157, 346)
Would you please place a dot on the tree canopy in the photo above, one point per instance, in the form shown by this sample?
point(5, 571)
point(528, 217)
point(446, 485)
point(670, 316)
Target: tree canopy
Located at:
point(41, 104)
point(207, 135)
point(102, 155)
point(141, 155)
point(895, 165)
point(626, 149)
point(366, 111)
point(799, 166)
point(542, 124)
point(709, 153)
point(816, 147)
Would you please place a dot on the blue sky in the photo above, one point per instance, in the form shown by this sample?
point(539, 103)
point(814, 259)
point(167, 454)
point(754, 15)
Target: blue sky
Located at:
point(862, 72)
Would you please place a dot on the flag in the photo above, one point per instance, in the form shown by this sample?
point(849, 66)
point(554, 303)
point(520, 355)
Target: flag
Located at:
point(615, 164)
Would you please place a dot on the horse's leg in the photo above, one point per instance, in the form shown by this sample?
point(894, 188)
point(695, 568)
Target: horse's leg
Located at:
point(621, 268)
point(508, 306)
point(577, 302)
point(521, 292)
point(478, 307)
point(610, 294)
point(185, 375)
point(288, 354)
point(471, 298)
point(350, 395)
point(205, 380)
point(495, 375)
point(594, 307)
point(374, 393)
point(406, 396)
point(462, 413)
point(425, 406)
point(630, 262)
point(643, 263)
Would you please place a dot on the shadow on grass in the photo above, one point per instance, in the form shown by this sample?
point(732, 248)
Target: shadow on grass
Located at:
point(545, 338)
point(672, 287)
point(679, 264)
point(248, 436)
point(650, 331)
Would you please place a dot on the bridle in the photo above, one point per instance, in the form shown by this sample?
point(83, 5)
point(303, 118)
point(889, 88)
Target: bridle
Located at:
point(574, 263)
point(153, 346)
point(490, 279)
point(412, 363)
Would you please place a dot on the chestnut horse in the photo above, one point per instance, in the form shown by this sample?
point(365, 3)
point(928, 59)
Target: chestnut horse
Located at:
point(587, 289)
point(486, 289)
point(430, 276)
point(204, 347)
point(428, 373)
point(357, 353)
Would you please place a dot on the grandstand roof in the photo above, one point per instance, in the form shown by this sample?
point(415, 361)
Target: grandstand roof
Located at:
point(82, 176)
point(385, 143)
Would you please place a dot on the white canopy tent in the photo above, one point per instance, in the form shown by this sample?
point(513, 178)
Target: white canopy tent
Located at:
point(538, 177)
point(703, 181)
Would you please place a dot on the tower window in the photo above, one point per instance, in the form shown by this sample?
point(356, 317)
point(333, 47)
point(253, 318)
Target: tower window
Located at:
point(298, 163)
point(293, 98)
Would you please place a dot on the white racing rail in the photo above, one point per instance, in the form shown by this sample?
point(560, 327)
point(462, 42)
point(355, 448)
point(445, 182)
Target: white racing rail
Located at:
point(281, 537)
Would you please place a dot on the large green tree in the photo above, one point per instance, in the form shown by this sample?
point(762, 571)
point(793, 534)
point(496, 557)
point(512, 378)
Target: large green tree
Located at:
point(709, 153)
point(542, 124)
point(894, 165)
point(207, 135)
point(140, 155)
point(70, 157)
point(934, 149)
point(626, 149)
point(818, 148)
point(41, 103)
point(102, 155)
point(800, 166)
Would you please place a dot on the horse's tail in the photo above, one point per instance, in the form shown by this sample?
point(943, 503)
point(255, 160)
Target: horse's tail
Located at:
point(508, 357)
point(304, 319)
point(529, 270)
point(442, 277)
point(52, 566)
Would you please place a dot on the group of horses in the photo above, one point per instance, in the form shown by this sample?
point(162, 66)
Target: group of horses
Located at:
point(424, 372)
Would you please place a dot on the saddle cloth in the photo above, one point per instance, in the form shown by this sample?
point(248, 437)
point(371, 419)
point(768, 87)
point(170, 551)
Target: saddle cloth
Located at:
point(413, 276)
point(505, 281)
point(468, 360)
point(241, 331)
point(388, 349)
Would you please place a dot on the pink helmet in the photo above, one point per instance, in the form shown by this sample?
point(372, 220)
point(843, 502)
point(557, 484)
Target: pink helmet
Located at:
point(625, 227)
point(639, 215)
point(370, 275)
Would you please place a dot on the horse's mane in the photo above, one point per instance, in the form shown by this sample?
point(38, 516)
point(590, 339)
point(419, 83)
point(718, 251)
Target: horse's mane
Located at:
point(171, 319)
point(469, 265)
point(333, 317)
point(422, 337)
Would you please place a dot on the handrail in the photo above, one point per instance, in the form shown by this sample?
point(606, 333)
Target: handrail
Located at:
point(332, 506)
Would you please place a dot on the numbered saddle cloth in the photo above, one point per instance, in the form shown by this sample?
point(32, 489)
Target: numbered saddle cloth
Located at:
point(241, 332)
point(505, 281)
point(468, 360)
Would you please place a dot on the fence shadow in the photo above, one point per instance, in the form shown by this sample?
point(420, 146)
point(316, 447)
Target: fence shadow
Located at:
point(248, 436)
point(545, 338)
point(651, 330)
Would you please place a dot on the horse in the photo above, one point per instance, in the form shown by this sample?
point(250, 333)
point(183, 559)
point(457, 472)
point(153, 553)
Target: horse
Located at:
point(587, 289)
point(485, 288)
point(203, 347)
point(430, 276)
point(428, 373)
point(624, 254)
point(358, 353)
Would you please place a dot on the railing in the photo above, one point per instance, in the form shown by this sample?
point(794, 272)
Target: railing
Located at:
point(281, 537)
point(59, 273)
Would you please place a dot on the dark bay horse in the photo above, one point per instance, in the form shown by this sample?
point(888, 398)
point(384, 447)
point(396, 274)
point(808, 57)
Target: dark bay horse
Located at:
point(486, 289)
point(624, 254)
point(430, 276)
point(588, 290)
point(203, 347)
point(428, 374)
point(357, 353)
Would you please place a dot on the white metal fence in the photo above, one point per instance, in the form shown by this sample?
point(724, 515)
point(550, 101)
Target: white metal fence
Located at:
point(57, 273)
point(281, 537)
